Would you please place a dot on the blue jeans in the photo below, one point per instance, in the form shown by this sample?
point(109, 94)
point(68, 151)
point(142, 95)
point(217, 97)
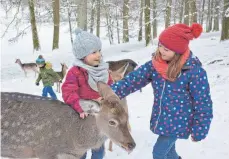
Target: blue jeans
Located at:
point(96, 153)
point(48, 89)
point(164, 148)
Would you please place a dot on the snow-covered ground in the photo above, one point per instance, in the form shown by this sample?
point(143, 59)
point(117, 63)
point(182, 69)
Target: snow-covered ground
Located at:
point(207, 48)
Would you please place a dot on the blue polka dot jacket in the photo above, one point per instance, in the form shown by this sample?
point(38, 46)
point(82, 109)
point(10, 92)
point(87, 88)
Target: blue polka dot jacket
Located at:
point(180, 108)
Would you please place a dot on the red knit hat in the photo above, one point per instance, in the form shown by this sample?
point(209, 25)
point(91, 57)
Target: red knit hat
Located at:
point(176, 37)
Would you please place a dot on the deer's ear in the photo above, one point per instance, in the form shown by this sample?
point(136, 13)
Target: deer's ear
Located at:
point(89, 106)
point(106, 92)
point(121, 71)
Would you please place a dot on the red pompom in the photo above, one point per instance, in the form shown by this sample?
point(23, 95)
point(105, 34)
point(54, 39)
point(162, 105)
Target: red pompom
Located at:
point(196, 29)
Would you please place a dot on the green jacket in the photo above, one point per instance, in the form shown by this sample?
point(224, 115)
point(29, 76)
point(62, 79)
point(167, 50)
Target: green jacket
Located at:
point(48, 76)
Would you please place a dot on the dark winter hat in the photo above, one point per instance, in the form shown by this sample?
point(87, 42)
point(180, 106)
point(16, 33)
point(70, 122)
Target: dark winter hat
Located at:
point(85, 43)
point(177, 37)
point(40, 60)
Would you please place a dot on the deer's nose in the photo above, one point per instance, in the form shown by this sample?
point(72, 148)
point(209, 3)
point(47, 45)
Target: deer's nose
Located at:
point(131, 145)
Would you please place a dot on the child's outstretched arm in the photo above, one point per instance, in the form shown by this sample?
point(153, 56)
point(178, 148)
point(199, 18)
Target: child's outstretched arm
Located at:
point(202, 104)
point(134, 80)
point(38, 78)
point(70, 91)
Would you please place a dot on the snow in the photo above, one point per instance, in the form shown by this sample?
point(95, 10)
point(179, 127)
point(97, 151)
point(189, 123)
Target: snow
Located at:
point(208, 48)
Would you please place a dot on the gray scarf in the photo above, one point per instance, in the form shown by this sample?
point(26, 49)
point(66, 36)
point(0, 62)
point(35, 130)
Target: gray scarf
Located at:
point(95, 74)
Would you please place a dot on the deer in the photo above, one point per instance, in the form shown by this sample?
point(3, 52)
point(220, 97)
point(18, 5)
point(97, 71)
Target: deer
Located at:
point(116, 65)
point(116, 76)
point(27, 67)
point(62, 74)
point(39, 127)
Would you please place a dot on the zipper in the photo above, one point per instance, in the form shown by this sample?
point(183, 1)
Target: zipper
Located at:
point(160, 106)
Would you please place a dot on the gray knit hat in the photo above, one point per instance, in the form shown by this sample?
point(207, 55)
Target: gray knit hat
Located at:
point(85, 43)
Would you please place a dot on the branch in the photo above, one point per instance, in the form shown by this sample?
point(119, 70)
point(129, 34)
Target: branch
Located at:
point(19, 34)
point(15, 16)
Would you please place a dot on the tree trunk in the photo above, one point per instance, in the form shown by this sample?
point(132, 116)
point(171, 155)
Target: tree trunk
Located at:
point(140, 21)
point(147, 22)
point(186, 12)
point(98, 18)
point(208, 23)
point(168, 13)
point(193, 12)
point(216, 18)
point(56, 22)
point(117, 23)
point(175, 10)
point(182, 3)
point(225, 22)
point(82, 14)
point(202, 13)
point(125, 21)
point(92, 16)
point(36, 44)
point(154, 19)
point(211, 15)
point(108, 22)
point(70, 25)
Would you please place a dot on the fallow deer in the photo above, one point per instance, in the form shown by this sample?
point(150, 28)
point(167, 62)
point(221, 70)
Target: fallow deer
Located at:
point(27, 67)
point(62, 74)
point(38, 127)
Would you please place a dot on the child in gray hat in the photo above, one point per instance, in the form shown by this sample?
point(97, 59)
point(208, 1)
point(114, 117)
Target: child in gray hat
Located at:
point(81, 79)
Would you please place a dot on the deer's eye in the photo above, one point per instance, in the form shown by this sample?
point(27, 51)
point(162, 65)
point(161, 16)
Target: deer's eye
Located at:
point(112, 122)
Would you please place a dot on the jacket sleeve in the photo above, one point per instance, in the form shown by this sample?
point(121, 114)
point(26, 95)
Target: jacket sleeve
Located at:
point(134, 80)
point(70, 89)
point(202, 104)
point(38, 78)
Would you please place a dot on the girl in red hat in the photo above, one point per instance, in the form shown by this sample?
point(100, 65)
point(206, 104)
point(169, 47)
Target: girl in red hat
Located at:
point(182, 102)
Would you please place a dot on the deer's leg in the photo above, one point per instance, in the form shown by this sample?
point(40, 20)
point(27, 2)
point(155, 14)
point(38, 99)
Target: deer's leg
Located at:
point(25, 73)
point(110, 146)
point(57, 87)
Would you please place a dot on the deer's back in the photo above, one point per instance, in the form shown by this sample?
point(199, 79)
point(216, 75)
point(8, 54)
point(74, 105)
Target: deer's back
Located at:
point(34, 122)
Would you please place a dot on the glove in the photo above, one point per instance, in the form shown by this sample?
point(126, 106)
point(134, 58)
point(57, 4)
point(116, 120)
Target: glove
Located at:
point(37, 83)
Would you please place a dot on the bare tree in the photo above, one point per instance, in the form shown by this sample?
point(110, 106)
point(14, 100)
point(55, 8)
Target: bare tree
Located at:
point(92, 15)
point(36, 43)
point(69, 21)
point(209, 22)
point(225, 22)
point(147, 22)
point(109, 22)
point(168, 13)
point(182, 3)
point(140, 21)
point(117, 21)
point(56, 22)
point(82, 14)
point(154, 19)
point(186, 12)
point(193, 12)
point(216, 16)
point(202, 13)
point(98, 18)
point(125, 21)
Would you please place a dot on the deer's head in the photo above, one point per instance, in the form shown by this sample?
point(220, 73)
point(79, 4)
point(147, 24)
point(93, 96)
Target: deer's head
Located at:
point(18, 61)
point(111, 118)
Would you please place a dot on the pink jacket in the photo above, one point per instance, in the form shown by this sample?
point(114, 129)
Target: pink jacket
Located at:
point(76, 87)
